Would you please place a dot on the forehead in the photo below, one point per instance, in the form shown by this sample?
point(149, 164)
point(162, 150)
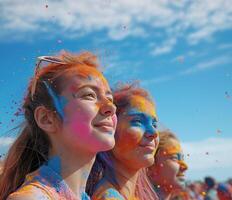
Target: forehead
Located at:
point(142, 105)
point(172, 146)
point(92, 78)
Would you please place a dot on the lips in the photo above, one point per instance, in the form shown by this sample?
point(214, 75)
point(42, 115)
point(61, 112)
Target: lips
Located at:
point(181, 177)
point(150, 146)
point(105, 126)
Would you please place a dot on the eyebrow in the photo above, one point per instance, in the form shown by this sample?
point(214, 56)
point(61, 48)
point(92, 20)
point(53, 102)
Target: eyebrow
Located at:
point(108, 92)
point(143, 115)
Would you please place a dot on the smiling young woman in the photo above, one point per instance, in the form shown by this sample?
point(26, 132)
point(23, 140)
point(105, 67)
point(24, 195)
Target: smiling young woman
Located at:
point(122, 170)
point(167, 172)
point(70, 117)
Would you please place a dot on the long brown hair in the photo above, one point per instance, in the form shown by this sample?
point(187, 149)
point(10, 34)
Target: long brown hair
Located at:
point(31, 148)
point(104, 166)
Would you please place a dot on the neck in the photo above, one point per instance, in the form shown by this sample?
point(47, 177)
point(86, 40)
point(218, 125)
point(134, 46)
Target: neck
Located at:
point(126, 178)
point(75, 169)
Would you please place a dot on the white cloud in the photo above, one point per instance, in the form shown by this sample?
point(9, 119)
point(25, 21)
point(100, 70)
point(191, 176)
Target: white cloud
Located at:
point(208, 154)
point(201, 66)
point(192, 20)
point(164, 48)
point(207, 65)
point(157, 80)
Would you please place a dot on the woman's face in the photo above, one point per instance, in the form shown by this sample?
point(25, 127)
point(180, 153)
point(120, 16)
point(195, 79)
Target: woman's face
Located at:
point(89, 120)
point(169, 167)
point(136, 136)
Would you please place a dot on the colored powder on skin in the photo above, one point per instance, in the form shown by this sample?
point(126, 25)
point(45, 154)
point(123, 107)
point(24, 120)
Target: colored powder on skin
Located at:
point(58, 101)
point(46, 176)
point(142, 104)
point(85, 71)
point(55, 164)
point(146, 124)
point(172, 147)
point(183, 164)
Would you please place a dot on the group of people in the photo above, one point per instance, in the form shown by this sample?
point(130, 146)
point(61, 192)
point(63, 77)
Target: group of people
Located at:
point(209, 189)
point(81, 140)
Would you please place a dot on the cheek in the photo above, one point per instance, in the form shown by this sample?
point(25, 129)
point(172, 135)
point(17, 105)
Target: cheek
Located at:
point(128, 139)
point(78, 119)
point(172, 168)
point(78, 125)
point(74, 111)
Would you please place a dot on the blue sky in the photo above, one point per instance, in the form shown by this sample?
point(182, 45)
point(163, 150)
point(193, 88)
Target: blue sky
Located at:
point(181, 51)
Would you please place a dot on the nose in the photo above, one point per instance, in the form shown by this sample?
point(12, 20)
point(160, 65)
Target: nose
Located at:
point(183, 166)
point(107, 108)
point(151, 132)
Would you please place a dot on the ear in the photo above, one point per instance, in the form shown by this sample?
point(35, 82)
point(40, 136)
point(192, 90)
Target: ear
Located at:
point(46, 119)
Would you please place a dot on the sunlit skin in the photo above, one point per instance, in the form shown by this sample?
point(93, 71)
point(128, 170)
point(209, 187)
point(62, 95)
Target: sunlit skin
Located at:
point(136, 134)
point(88, 122)
point(88, 126)
point(168, 170)
point(136, 141)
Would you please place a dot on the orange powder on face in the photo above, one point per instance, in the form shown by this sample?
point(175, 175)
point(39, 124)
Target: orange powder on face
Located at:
point(88, 72)
point(128, 136)
point(142, 105)
point(172, 147)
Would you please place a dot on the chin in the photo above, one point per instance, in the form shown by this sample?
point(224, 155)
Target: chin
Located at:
point(107, 143)
point(105, 140)
point(148, 161)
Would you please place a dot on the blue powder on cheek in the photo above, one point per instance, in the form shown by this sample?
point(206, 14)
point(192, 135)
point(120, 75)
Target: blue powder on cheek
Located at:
point(58, 101)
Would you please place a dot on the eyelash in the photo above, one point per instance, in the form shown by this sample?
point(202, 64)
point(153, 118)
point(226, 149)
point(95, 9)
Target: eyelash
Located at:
point(154, 124)
point(137, 121)
point(91, 95)
point(110, 99)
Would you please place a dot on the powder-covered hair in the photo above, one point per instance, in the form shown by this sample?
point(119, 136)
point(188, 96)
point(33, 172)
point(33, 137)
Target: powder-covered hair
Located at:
point(124, 92)
point(31, 148)
point(104, 166)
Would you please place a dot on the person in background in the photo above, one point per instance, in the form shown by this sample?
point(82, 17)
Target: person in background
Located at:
point(167, 172)
point(196, 190)
point(210, 186)
point(224, 191)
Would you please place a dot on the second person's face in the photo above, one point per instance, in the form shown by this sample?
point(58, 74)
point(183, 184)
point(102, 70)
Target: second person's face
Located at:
point(136, 135)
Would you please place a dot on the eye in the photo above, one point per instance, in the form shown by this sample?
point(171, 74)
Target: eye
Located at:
point(89, 95)
point(154, 124)
point(110, 99)
point(136, 121)
point(174, 157)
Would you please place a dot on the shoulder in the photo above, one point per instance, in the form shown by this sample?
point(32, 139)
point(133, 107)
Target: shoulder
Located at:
point(107, 194)
point(29, 192)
